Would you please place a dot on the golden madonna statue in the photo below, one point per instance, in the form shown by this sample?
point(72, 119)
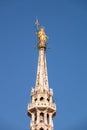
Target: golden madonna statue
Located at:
point(42, 35)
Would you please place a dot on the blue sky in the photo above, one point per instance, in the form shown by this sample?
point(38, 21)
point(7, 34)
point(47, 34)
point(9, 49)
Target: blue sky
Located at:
point(65, 22)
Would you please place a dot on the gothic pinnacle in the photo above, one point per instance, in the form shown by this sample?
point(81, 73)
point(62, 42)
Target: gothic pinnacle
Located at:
point(42, 108)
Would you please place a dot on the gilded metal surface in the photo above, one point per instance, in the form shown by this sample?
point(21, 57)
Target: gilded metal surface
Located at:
point(42, 35)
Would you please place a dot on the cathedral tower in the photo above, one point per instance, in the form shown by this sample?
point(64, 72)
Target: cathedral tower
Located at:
point(41, 109)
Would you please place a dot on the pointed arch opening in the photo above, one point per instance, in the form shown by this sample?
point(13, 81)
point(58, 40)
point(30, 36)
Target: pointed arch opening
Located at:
point(41, 99)
point(48, 99)
point(41, 128)
point(35, 99)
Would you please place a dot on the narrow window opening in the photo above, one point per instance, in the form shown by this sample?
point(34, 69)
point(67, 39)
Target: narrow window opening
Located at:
point(47, 119)
point(41, 117)
point(35, 118)
point(48, 99)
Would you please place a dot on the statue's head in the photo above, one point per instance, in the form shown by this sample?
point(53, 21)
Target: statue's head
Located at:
point(42, 29)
